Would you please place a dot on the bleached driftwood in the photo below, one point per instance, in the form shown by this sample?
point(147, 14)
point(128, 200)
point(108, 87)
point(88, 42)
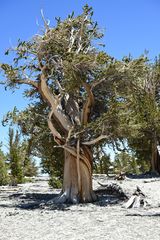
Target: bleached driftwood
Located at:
point(137, 200)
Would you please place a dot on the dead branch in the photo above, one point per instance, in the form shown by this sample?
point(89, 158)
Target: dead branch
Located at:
point(151, 180)
point(27, 81)
point(69, 134)
point(94, 141)
point(72, 39)
point(80, 35)
point(46, 22)
point(111, 189)
point(137, 200)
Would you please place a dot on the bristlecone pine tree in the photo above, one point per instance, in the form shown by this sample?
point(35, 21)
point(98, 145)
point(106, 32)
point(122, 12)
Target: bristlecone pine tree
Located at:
point(63, 68)
point(142, 111)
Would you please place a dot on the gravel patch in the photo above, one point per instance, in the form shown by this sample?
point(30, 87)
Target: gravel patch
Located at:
point(25, 214)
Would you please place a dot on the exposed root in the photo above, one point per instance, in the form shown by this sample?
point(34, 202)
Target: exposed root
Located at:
point(65, 198)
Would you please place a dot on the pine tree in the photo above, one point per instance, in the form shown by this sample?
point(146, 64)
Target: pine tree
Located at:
point(14, 155)
point(3, 169)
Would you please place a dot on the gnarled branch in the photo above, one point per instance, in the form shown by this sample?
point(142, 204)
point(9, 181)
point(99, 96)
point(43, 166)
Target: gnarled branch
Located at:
point(54, 103)
point(56, 134)
point(27, 81)
point(94, 141)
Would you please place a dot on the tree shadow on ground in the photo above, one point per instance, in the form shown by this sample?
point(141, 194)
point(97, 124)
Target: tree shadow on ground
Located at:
point(109, 194)
point(106, 200)
point(32, 201)
point(148, 175)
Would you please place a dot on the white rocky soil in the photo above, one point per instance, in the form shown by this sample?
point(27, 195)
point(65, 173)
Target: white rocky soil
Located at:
point(26, 213)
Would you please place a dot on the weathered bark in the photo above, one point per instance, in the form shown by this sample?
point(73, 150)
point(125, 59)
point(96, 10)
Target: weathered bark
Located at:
point(155, 158)
point(77, 180)
point(137, 200)
point(88, 104)
point(53, 101)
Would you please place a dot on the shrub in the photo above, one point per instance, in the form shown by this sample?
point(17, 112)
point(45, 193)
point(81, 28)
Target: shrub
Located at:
point(55, 182)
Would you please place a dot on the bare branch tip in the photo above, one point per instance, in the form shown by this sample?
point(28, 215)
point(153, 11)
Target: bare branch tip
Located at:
point(46, 22)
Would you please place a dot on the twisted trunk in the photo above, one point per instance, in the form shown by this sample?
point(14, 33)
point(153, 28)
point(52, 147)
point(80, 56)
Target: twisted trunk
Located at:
point(62, 120)
point(77, 180)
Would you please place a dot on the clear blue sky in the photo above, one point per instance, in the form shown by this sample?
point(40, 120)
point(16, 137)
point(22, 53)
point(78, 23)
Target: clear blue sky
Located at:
point(131, 26)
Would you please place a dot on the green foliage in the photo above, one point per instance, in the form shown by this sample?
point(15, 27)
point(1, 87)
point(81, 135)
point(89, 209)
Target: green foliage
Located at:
point(15, 158)
point(30, 169)
point(72, 60)
point(102, 165)
point(142, 108)
point(126, 163)
point(3, 169)
point(101, 161)
point(33, 126)
point(142, 149)
point(126, 97)
point(20, 163)
point(55, 182)
point(66, 49)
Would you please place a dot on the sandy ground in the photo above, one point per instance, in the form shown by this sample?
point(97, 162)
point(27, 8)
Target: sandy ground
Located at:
point(24, 214)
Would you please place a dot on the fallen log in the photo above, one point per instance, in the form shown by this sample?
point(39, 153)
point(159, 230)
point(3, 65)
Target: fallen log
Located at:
point(137, 200)
point(111, 189)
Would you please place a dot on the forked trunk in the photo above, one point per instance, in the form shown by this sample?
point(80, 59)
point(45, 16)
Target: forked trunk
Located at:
point(77, 180)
